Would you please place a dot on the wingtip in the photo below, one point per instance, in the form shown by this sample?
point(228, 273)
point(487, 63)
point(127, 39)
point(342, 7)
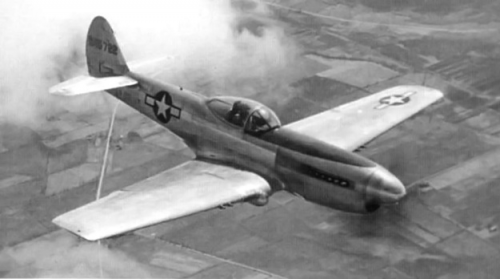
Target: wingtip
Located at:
point(441, 94)
point(61, 222)
point(56, 90)
point(433, 92)
point(437, 94)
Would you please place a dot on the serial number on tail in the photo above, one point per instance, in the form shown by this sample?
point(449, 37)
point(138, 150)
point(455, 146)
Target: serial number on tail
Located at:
point(102, 45)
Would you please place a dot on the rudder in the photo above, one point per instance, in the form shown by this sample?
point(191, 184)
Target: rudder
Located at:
point(104, 56)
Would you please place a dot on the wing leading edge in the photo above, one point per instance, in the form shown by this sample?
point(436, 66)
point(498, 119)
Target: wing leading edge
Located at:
point(353, 124)
point(189, 188)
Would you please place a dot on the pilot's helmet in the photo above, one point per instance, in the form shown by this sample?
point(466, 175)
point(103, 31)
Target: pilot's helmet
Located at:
point(237, 105)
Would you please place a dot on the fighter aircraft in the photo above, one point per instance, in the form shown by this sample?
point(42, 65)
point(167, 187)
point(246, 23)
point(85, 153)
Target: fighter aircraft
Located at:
point(242, 152)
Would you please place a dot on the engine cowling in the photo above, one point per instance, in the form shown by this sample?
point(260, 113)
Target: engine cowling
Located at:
point(339, 198)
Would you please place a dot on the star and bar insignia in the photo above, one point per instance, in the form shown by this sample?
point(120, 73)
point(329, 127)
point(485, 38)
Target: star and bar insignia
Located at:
point(163, 107)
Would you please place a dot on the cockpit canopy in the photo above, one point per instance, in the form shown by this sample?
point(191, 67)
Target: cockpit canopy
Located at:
point(254, 117)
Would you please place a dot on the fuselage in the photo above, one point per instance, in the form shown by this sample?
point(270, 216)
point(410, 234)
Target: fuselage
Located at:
point(315, 170)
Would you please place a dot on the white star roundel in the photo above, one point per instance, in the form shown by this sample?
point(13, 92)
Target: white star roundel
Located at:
point(394, 100)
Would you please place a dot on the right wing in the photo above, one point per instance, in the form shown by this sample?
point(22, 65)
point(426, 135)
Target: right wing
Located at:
point(192, 187)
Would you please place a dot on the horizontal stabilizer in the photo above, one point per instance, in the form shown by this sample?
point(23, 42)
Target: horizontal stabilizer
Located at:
point(86, 84)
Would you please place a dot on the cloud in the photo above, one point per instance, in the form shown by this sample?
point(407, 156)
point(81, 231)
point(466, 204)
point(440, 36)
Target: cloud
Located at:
point(217, 47)
point(61, 255)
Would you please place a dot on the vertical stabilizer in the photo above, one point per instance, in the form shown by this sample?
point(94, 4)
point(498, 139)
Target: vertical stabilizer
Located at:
point(104, 56)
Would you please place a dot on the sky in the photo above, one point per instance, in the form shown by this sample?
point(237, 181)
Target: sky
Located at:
point(207, 42)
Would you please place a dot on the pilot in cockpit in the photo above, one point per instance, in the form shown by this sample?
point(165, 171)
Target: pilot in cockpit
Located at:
point(239, 113)
point(258, 121)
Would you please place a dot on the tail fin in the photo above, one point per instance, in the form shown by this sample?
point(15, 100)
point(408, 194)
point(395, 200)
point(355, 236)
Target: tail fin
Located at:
point(107, 67)
point(104, 56)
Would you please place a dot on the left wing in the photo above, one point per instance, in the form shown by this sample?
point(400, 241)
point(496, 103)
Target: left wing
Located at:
point(189, 188)
point(353, 124)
